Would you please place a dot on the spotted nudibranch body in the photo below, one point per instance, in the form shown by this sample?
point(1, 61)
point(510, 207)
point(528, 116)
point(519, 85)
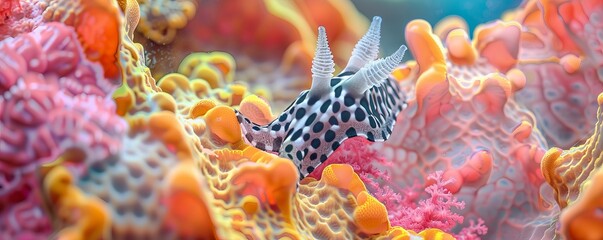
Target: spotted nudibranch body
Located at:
point(361, 101)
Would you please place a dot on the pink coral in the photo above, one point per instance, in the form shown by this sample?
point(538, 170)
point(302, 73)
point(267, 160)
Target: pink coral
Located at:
point(357, 152)
point(6, 7)
point(18, 17)
point(562, 99)
point(463, 120)
point(403, 205)
point(473, 231)
point(51, 99)
point(435, 211)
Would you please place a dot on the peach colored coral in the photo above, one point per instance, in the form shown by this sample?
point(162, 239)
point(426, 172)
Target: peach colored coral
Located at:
point(560, 54)
point(465, 122)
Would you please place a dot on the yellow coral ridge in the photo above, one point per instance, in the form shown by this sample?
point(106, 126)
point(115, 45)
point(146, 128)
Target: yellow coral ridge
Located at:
point(575, 176)
point(80, 216)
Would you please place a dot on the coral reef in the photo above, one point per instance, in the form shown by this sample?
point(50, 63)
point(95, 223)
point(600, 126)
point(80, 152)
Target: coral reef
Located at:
point(574, 175)
point(463, 121)
point(97, 24)
point(561, 57)
point(149, 119)
point(52, 99)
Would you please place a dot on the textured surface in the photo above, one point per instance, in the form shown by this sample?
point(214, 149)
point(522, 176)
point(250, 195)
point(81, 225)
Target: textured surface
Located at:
point(102, 137)
point(464, 122)
point(574, 175)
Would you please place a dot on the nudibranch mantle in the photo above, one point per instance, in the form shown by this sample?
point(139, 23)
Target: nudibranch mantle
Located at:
point(361, 101)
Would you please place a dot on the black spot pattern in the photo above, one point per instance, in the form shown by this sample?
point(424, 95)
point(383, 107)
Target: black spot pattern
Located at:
point(345, 116)
point(305, 135)
point(318, 127)
point(329, 136)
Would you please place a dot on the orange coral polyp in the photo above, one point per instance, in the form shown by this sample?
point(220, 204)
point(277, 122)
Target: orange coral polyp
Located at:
point(370, 215)
point(85, 217)
point(187, 212)
point(256, 109)
point(165, 126)
point(98, 28)
point(343, 176)
point(424, 45)
point(460, 50)
point(222, 122)
point(201, 108)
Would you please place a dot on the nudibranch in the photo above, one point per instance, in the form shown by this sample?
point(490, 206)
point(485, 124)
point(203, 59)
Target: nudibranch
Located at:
point(361, 101)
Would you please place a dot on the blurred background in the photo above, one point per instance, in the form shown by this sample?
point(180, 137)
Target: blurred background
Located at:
point(396, 13)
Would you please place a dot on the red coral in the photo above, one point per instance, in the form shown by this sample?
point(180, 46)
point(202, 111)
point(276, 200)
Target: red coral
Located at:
point(6, 7)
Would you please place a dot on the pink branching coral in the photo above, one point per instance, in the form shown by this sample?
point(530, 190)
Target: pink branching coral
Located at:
point(436, 210)
point(356, 152)
point(403, 205)
point(473, 231)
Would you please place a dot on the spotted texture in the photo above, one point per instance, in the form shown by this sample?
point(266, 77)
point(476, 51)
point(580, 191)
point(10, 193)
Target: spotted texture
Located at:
point(311, 128)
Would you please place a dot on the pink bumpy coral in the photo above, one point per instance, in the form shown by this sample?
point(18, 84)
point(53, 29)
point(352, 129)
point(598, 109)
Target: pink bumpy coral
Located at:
point(51, 99)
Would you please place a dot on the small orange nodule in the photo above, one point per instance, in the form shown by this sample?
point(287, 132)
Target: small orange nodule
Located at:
point(435, 234)
point(165, 101)
point(343, 176)
point(448, 24)
point(571, 63)
point(200, 87)
point(370, 215)
point(517, 78)
point(256, 109)
point(477, 167)
point(166, 127)
point(523, 131)
point(424, 45)
point(238, 92)
point(222, 122)
point(211, 74)
point(432, 82)
point(460, 50)
point(124, 99)
point(201, 108)
point(225, 63)
point(170, 82)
